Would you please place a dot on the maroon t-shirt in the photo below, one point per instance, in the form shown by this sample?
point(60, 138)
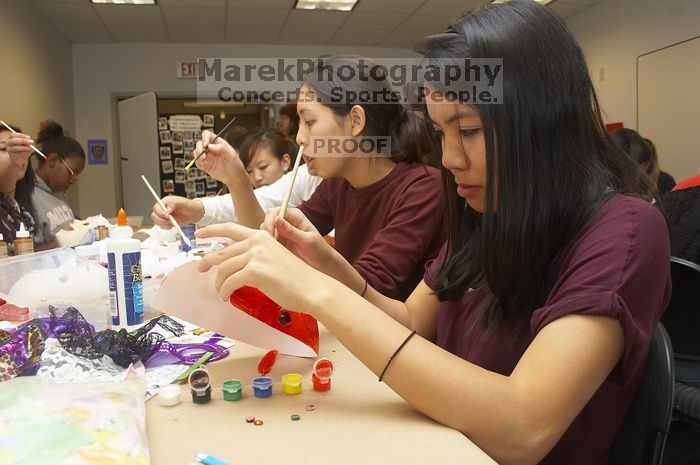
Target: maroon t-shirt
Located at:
point(388, 231)
point(618, 267)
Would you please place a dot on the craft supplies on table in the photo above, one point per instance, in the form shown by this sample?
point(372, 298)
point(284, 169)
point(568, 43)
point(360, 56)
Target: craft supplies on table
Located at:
point(72, 424)
point(58, 277)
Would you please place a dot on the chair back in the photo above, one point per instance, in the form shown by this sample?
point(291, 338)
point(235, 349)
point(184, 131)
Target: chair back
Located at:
point(682, 318)
point(642, 437)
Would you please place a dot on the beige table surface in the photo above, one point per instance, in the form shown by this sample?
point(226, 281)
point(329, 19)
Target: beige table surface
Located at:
point(359, 421)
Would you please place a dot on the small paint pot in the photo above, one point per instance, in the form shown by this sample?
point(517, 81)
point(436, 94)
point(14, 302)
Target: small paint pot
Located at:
point(169, 395)
point(321, 376)
point(291, 383)
point(233, 389)
point(188, 231)
point(200, 386)
point(262, 387)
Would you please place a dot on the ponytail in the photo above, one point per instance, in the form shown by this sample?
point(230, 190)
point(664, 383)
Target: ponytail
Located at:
point(52, 140)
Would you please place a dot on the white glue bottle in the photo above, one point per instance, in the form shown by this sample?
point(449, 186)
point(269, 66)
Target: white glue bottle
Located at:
point(125, 278)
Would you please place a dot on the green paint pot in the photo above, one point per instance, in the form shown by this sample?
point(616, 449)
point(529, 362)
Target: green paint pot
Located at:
point(233, 389)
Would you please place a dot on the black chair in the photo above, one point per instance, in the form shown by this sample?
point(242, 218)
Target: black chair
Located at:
point(682, 319)
point(642, 437)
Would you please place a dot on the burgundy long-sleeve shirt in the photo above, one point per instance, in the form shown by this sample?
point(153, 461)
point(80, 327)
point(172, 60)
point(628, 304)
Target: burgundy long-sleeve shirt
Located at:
point(389, 230)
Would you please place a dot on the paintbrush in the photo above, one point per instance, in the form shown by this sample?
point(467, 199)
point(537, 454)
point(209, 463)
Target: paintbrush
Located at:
point(204, 149)
point(290, 186)
point(185, 239)
point(284, 316)
point(15, 132)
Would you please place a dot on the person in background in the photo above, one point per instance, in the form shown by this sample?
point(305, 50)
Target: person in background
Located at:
point(637, 148)
point(664, 181)
point(529, 333)
point(288, 121)
point(17, 181)
point(370, 198)
point(66, 160)
point(266, 156)
point(236, 136)
point(250, 203)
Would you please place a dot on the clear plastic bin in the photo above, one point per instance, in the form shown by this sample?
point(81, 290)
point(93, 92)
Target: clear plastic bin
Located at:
point(60, 278)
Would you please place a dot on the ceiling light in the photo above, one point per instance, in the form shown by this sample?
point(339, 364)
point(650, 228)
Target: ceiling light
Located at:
point(334, 5)
point(543, 2)
point(126, 2)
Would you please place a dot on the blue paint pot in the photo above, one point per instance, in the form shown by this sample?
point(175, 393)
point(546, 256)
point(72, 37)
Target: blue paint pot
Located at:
point(262, 387)
point(188, 230)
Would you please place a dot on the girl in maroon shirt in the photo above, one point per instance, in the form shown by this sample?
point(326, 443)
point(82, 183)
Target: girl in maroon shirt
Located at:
point(536, 316)
point(370, 150)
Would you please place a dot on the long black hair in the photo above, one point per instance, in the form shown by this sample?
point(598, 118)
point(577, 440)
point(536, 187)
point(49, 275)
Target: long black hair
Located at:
point(385, 114)
point(547, 148)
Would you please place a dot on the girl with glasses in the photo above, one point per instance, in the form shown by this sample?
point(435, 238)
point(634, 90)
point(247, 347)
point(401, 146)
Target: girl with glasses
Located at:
point(66, 160)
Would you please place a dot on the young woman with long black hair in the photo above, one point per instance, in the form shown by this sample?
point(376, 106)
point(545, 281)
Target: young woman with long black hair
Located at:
point(534, 321)
point(383, 202)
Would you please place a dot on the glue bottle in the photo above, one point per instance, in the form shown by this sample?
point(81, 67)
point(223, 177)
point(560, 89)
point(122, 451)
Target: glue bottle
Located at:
point(125, 279)
point(23, 243)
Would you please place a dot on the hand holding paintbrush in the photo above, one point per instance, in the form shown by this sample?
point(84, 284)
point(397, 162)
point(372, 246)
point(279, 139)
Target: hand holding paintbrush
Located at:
point(204, 148)
point(17, 148)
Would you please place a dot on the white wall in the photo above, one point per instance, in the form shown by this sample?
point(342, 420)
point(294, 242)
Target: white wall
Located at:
point(613, 33)
point(103, 70)
point(36, 81)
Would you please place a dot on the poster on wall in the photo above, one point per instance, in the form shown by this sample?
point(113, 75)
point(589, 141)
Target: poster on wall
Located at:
point(97, 151)
point(178, 135)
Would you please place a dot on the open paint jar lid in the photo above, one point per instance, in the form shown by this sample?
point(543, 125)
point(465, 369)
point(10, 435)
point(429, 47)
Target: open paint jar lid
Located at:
point(200, 385)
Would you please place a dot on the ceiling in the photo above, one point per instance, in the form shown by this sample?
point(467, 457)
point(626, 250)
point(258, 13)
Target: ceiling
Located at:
point(383, 23)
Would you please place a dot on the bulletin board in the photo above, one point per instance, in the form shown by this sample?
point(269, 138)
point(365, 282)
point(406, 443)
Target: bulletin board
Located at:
point(668, 98)
point(177, 137)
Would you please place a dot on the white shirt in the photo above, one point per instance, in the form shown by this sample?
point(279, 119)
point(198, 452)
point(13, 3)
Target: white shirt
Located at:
point(220, 209)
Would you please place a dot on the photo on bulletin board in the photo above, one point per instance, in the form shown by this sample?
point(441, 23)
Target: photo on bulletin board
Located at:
point(97, 151)
point(168, 186)
point(167, 166)
point(178, 136)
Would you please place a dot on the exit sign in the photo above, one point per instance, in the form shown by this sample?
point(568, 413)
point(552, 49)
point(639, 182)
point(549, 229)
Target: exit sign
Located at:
point(187, 70)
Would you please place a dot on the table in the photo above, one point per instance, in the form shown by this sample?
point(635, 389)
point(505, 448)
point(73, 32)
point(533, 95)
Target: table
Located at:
point(359, 421)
